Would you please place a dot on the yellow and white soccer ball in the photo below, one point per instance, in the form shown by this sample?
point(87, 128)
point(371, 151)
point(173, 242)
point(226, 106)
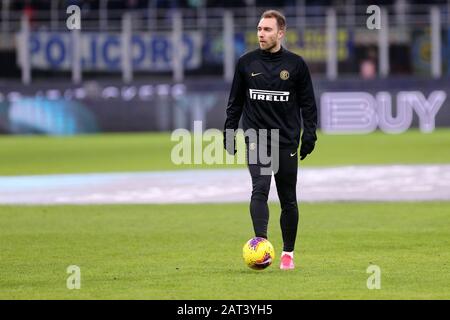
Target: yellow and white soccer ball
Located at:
point(258, 253)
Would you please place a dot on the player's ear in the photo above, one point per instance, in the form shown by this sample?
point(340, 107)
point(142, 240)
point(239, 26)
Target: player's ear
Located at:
point(281, 33)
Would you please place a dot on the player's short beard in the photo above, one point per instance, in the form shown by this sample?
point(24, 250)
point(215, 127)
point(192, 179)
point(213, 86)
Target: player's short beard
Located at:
point(271, 47)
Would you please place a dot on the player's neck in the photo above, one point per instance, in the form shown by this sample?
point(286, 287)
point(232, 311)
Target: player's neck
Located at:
point(275, 49)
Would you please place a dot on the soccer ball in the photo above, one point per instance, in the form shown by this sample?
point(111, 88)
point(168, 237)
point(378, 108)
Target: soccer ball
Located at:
point(258, 253)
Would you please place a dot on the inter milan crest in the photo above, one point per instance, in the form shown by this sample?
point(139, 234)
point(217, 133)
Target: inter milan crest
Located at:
point(284, 75)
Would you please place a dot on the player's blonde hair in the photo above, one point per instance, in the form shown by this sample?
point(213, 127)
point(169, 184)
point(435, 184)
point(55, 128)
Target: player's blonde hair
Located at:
point(281, 19)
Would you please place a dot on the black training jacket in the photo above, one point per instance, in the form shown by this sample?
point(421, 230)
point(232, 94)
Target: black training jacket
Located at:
point(273, 91)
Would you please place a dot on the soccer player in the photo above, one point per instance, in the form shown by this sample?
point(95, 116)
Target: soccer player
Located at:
point(272, 90)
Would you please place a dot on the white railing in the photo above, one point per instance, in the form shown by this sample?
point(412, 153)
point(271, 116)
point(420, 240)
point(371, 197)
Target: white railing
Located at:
point(226, 22)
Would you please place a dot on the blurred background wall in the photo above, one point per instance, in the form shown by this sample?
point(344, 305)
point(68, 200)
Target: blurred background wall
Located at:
point(150, 65)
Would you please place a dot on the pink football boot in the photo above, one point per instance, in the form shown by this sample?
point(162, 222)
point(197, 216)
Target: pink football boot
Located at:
point(287, 262)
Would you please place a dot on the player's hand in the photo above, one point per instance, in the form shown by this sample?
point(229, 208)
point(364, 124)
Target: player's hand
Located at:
point(306, 148)
point(229, 143)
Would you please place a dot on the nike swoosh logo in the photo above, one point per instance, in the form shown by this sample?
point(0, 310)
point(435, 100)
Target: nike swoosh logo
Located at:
point(293, 154)
point(256, 74)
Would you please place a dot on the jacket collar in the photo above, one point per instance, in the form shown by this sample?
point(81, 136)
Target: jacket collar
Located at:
point(271, 55)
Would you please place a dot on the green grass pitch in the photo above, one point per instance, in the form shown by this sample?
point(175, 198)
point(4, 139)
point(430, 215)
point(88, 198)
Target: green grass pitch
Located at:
point(25, 155)
point(194, 251)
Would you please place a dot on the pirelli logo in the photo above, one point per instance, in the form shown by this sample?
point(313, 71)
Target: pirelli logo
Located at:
point(266, 95)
